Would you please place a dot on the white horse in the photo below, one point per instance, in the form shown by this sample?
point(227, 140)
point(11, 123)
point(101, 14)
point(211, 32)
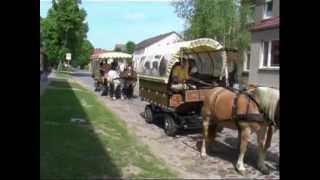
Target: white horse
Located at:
point(115, 81)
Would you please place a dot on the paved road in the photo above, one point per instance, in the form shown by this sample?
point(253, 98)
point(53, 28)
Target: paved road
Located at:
point(182, 152)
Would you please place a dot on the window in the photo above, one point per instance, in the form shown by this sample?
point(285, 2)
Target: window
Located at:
point(147, 68)
point(163, 67)
point(268, 9)
point(246, 63)
point(275, 53)
point(155, 69)
point(270, 54)
point(140, 65)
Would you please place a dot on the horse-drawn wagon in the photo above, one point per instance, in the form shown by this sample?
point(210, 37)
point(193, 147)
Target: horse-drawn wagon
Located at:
point(118, 61)
point(180, 107)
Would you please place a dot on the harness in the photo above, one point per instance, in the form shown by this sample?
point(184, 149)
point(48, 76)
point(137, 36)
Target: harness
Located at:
point(247, 117)
point(260, 117)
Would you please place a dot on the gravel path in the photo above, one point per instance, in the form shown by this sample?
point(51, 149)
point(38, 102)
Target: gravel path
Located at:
point(181, 153)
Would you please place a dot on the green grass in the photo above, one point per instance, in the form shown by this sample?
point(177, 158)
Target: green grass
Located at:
point(100, 148)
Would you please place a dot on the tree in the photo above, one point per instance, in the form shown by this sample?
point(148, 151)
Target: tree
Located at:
point(64, 30)
point(223, 20)
point(84, 57)
point(130, 45)
point(40, 33)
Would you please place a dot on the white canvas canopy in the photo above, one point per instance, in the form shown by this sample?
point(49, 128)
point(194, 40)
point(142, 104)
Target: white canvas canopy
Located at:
point(207, 53)
point(114, 55)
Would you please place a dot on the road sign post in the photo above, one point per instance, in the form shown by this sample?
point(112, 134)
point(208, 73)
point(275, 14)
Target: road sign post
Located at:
point(68, 58)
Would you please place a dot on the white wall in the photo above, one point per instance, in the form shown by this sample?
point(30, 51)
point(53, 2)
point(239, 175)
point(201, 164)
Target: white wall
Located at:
point(155, 47)
point(162, 44)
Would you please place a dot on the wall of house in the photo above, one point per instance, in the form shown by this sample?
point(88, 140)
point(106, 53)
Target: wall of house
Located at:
point(259, 10)
point(155, 47)
point(265, 77)
point(162, 44)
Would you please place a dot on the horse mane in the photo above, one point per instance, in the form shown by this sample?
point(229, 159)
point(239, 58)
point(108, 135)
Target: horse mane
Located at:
point(268, 100)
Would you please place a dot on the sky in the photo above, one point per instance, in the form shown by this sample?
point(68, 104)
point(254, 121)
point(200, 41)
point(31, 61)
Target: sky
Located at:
point(118, 21)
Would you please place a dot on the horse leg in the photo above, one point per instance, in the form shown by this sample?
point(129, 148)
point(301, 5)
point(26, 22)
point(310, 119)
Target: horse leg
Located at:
point(212, 133)
point(113, 90)
point(121, 89)
point(205, 140)
point(263, 146)
point(244, 138)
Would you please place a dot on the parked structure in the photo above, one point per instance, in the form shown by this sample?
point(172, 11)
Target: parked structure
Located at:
point(265, 61)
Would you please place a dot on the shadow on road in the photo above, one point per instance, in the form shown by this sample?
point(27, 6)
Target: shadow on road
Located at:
point(159, 122)
point(228, 151)
point(70, 149)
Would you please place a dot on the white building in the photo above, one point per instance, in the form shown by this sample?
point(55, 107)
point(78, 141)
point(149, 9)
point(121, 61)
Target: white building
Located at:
point(151, 45)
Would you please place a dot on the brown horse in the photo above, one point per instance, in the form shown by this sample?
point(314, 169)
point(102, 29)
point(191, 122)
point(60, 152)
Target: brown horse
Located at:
point(242, 112)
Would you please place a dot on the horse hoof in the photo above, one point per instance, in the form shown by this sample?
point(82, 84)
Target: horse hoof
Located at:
point(264, 170)
point(242, 172)
point(203, 157)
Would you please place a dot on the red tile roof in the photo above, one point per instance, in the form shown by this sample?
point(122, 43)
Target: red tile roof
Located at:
point(96, 52)
point(267, 24)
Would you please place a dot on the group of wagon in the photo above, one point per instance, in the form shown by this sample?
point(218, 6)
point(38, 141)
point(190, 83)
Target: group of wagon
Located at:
point(113, 74)
point(187, 86)
point(178, 108)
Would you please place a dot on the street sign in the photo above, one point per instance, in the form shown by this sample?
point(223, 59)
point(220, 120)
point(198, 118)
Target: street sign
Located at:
point(68, 56)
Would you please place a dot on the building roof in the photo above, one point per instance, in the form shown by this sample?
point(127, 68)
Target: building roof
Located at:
point(267, 24)
point(147, 42)
point(96, 52)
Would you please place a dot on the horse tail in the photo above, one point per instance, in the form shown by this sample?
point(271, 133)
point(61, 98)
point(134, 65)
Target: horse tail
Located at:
point(269, 137)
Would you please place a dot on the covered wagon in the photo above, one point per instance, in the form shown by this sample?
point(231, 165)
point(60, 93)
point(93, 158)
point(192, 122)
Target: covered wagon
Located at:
point(180, 109)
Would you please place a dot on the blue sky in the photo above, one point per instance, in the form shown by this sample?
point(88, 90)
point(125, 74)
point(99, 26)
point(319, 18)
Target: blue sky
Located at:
point(112, 21)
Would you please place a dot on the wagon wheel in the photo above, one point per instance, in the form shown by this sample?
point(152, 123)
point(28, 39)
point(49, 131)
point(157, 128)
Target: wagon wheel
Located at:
point(105, 90)
point(170, 127)
point(148, 114)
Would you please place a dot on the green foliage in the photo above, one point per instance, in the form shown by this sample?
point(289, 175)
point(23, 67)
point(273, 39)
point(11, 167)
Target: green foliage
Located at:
point(64, 30)
point(84, 54)
point(223, 20)
point(40, 33)
point(130, 47)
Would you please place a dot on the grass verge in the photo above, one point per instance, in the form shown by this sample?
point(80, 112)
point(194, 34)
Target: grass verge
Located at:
point(99, 148)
